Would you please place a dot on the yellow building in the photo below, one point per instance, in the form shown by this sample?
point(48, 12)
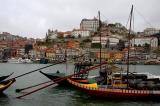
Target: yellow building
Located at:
point(110, 55)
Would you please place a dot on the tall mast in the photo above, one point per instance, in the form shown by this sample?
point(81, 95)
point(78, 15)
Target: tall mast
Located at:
point(99, 30)
point(130, 26)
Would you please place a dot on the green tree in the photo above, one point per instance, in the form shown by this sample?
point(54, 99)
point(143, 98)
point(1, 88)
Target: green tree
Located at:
point(139, 45)
point(96, 45)
point(121, 45)
point(28, 47)
point(147, 47)
point(86, 40)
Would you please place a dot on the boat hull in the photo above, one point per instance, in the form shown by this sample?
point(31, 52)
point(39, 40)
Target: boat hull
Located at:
point(111, 93)
point(5, 77)
point(54, 76)
point(5, 84)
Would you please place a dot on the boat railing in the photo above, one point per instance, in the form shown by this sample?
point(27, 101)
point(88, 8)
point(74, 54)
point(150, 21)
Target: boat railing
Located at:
point(125, 91)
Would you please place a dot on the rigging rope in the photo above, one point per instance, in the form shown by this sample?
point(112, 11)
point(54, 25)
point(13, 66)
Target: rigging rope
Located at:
point(143, 18)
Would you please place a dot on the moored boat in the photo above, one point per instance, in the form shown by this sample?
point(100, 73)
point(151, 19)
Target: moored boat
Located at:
point(5, 84)
point(121, 93)
point(5, 77)
point(123, 84)
point(82, 78)
point(20, 60)
point(13, 60)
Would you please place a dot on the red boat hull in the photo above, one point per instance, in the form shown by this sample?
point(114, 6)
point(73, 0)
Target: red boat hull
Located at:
point(117, 93)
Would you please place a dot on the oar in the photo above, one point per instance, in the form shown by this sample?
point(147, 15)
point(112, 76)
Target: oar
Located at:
point(19, 90)
point(39, 69)
point(45, 67)
point(61, 79)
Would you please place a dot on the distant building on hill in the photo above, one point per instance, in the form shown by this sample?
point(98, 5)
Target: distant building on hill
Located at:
point(51, 34)
point(151, 31)
point(80, 33)
point(90, 24)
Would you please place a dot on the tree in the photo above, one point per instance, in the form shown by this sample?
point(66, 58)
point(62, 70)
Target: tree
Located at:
point(28, 47)
point(96, 45)
point(121, 45)
point(79, 36)
point(139, 45)
point(147, 47)
point(135, 45)
point(86, 40)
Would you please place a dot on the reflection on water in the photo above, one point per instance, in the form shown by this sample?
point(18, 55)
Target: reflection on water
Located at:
point(4, 99)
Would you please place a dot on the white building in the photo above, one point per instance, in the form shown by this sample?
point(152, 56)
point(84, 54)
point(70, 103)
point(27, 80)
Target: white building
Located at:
point(113, 41)
point(151, 31)
point(20, 52)
point(96, 39)
point(153, 41)
point(80, 32)
point(51, 34)
point(89, 24)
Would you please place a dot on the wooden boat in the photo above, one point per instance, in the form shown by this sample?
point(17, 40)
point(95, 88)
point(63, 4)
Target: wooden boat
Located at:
point(121, 93)
point(82, 78)
point(5, 84)
point(5, 77)
point(122, 85)
point(54, 76)
point(43, 61)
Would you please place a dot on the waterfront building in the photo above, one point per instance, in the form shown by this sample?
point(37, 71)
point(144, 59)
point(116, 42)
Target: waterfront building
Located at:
point(3, 44)
point(136, 54)
point(20, 52)
point(72, 53)
point(110, 55)
point(32, 54)
point(50, 53)
point(1, 53)
point(90, 24)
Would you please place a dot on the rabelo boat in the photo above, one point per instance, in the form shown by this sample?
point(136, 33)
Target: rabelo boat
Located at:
point(122, 84)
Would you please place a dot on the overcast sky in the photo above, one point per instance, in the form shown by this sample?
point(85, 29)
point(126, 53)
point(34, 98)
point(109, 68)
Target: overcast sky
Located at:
point(32, 18)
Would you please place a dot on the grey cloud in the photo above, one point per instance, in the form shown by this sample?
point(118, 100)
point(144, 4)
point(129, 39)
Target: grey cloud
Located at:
point(32, 18)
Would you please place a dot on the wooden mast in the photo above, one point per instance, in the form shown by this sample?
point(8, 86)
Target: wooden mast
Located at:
point(99, 31)
point(130, 26)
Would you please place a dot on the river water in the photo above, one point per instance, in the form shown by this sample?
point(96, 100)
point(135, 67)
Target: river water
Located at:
point(59, 96)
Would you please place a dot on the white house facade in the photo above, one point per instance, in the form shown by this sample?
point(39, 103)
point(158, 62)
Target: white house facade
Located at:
point(104, 39)
point(89, 24)
point(80, 32)
point(152, 41)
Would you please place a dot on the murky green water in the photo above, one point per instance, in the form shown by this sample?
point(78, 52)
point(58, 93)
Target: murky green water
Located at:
point(55, 95)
